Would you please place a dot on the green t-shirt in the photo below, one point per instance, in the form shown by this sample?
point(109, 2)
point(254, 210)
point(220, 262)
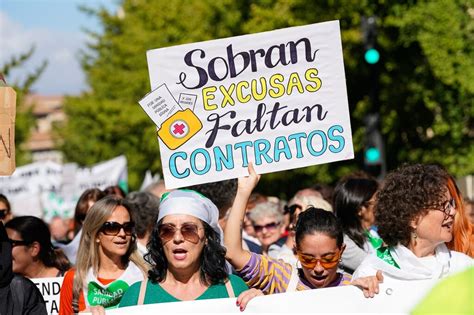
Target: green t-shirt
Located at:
point(156, 294)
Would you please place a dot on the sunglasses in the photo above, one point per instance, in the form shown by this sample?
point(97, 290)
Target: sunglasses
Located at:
point(189, 231)
point(291, 209)
point(269, 226)
point(18, 242)
point(113, 228)
point(3, 213)
point(310, 262)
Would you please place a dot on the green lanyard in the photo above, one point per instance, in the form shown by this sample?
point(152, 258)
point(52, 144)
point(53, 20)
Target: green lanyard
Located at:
point(376, 242)
point(384, 254)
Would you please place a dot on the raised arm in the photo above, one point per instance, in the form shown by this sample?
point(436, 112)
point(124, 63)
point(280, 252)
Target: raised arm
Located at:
point(236, 255)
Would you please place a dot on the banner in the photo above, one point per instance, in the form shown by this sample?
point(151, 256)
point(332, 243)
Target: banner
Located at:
point(50, 289)
point(277, 99)
point(395, 297)
point(48, 189)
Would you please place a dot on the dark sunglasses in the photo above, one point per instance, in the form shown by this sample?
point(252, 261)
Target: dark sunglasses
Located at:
point(113, 228)
point(269, 226)
point(3, 213)
point(18, 242)
point(189, 231)
point(291, 209)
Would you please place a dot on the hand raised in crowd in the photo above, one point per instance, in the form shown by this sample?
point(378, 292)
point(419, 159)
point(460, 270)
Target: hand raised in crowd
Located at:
point(369, 285)
point(244, 298)
point(247, 184)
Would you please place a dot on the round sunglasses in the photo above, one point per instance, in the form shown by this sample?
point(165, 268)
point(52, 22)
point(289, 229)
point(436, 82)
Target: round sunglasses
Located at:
point(189, 231)
point(113, 228)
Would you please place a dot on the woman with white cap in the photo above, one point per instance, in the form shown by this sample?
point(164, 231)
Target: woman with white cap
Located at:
point(186, 255)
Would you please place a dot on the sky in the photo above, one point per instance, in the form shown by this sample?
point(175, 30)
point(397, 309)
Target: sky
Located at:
point(56, 28)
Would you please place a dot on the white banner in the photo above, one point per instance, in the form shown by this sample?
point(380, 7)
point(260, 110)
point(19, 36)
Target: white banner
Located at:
point(48, 189)
point(50, 289)
point(395, 297)
point(277, 99)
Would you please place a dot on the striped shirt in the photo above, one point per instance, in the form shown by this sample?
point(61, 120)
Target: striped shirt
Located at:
point(273, 276)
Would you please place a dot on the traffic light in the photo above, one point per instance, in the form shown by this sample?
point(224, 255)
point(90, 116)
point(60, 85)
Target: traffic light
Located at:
point(369, 31)
point(374, 153)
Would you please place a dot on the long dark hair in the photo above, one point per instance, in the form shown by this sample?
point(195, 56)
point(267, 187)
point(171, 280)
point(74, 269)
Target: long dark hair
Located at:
point(349, 196)
point(316, 220)
point(33, 229)
point(213, 268)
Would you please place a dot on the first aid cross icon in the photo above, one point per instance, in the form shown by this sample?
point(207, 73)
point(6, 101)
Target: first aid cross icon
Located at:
point(179, 129)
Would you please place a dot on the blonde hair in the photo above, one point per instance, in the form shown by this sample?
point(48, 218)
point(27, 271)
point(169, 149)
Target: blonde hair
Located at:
point(88, 253)
point(310, 201)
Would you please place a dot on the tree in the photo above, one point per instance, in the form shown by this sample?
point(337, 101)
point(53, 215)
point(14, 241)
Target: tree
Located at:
point(24, 116)
point(426, 85)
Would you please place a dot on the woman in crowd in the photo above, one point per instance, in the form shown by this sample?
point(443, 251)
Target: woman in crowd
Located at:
point(354, 201)
point(296, 205)
point(32, 251)
point(319, 247)
point(5, 209)
point(415, 214)
point(108, 262)
point(463, 230)
point(267, 222)
point(185, 251)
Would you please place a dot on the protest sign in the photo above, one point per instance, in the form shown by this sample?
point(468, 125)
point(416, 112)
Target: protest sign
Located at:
point(277, 99)
point(7, 128)
point(50, 289)
point(48, 189)
point(395, 297)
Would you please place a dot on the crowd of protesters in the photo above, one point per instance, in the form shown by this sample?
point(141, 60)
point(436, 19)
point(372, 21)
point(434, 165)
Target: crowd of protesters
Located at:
point(224, 239)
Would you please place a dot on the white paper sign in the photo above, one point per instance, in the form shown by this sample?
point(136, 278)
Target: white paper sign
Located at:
point(50, 289)
point(277, 99)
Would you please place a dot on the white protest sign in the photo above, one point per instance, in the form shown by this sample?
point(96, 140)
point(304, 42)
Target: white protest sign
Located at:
point(397, 297)
point(48, 189)
point(277, 99)
point(50, 289)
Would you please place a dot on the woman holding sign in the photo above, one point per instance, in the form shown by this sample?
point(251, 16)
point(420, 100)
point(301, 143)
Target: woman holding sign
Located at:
point(108, 262)
point(319, 246)
point(185, 251)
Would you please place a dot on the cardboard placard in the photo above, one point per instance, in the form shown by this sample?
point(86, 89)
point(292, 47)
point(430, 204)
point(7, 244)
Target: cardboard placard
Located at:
point(7, 130)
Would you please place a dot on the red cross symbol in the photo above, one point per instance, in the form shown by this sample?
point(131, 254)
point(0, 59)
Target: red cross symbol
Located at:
point(178, 128)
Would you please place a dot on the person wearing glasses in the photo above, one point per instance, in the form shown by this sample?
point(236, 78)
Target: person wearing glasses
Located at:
point(318, 246)
point(5, 209)
point(33, 253)
point(415, 214)
point(186, 255)
point(108, 262)
point(301, 201)
point(267, 222)
point(354, 201)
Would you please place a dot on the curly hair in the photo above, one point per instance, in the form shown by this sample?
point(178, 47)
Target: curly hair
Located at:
point(213, 268)
point(407, 194)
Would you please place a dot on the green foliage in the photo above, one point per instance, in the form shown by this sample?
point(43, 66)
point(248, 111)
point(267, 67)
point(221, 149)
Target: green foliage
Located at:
point(426, 78)
point(24, 116)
